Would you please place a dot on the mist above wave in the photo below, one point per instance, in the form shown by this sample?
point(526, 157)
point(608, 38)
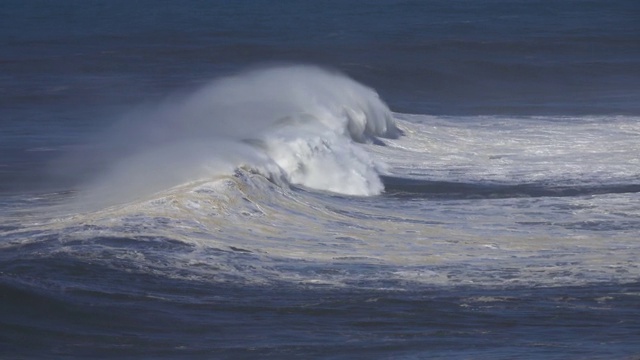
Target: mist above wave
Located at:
point(293, 124)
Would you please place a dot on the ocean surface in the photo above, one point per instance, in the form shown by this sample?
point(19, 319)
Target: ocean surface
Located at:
point(320, 179)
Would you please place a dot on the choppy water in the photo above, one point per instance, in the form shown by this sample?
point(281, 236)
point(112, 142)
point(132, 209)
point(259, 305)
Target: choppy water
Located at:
point(454, 180)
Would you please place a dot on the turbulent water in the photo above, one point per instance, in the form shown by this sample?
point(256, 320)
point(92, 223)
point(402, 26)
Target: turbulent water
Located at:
point(322, 180)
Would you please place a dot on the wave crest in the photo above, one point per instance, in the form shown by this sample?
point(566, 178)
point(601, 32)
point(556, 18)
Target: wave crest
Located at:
point(298, 124)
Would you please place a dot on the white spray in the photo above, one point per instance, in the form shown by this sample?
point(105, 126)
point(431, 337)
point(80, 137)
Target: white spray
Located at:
point(295, 123)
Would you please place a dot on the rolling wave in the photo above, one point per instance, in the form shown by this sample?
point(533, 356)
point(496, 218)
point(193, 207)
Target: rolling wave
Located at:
point(293, 124)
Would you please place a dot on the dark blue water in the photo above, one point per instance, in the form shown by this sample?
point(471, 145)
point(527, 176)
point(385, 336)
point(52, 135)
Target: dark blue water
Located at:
point(150, 317)
point(437, 56)
point(71, 68)
point(62, 307)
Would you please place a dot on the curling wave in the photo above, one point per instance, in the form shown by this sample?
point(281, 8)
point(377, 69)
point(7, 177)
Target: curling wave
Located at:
point(294, 124)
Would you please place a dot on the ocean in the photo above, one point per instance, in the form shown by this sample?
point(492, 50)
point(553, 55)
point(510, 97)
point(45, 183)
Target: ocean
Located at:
point(391, 179)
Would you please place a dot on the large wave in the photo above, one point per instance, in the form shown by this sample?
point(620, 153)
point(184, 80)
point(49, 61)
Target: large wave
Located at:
point(293, 124)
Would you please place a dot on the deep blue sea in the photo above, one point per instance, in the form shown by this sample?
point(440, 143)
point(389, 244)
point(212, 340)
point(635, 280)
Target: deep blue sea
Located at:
point(332, 179)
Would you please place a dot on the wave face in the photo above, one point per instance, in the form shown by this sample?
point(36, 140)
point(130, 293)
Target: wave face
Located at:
point(293, 124)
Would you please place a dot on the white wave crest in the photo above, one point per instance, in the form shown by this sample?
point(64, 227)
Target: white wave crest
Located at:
point(296, 124)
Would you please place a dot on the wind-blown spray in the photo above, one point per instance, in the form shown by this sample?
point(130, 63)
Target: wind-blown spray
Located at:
point(295, 124)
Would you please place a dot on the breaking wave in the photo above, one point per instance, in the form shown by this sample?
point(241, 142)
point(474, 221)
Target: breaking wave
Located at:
point(293, 124)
